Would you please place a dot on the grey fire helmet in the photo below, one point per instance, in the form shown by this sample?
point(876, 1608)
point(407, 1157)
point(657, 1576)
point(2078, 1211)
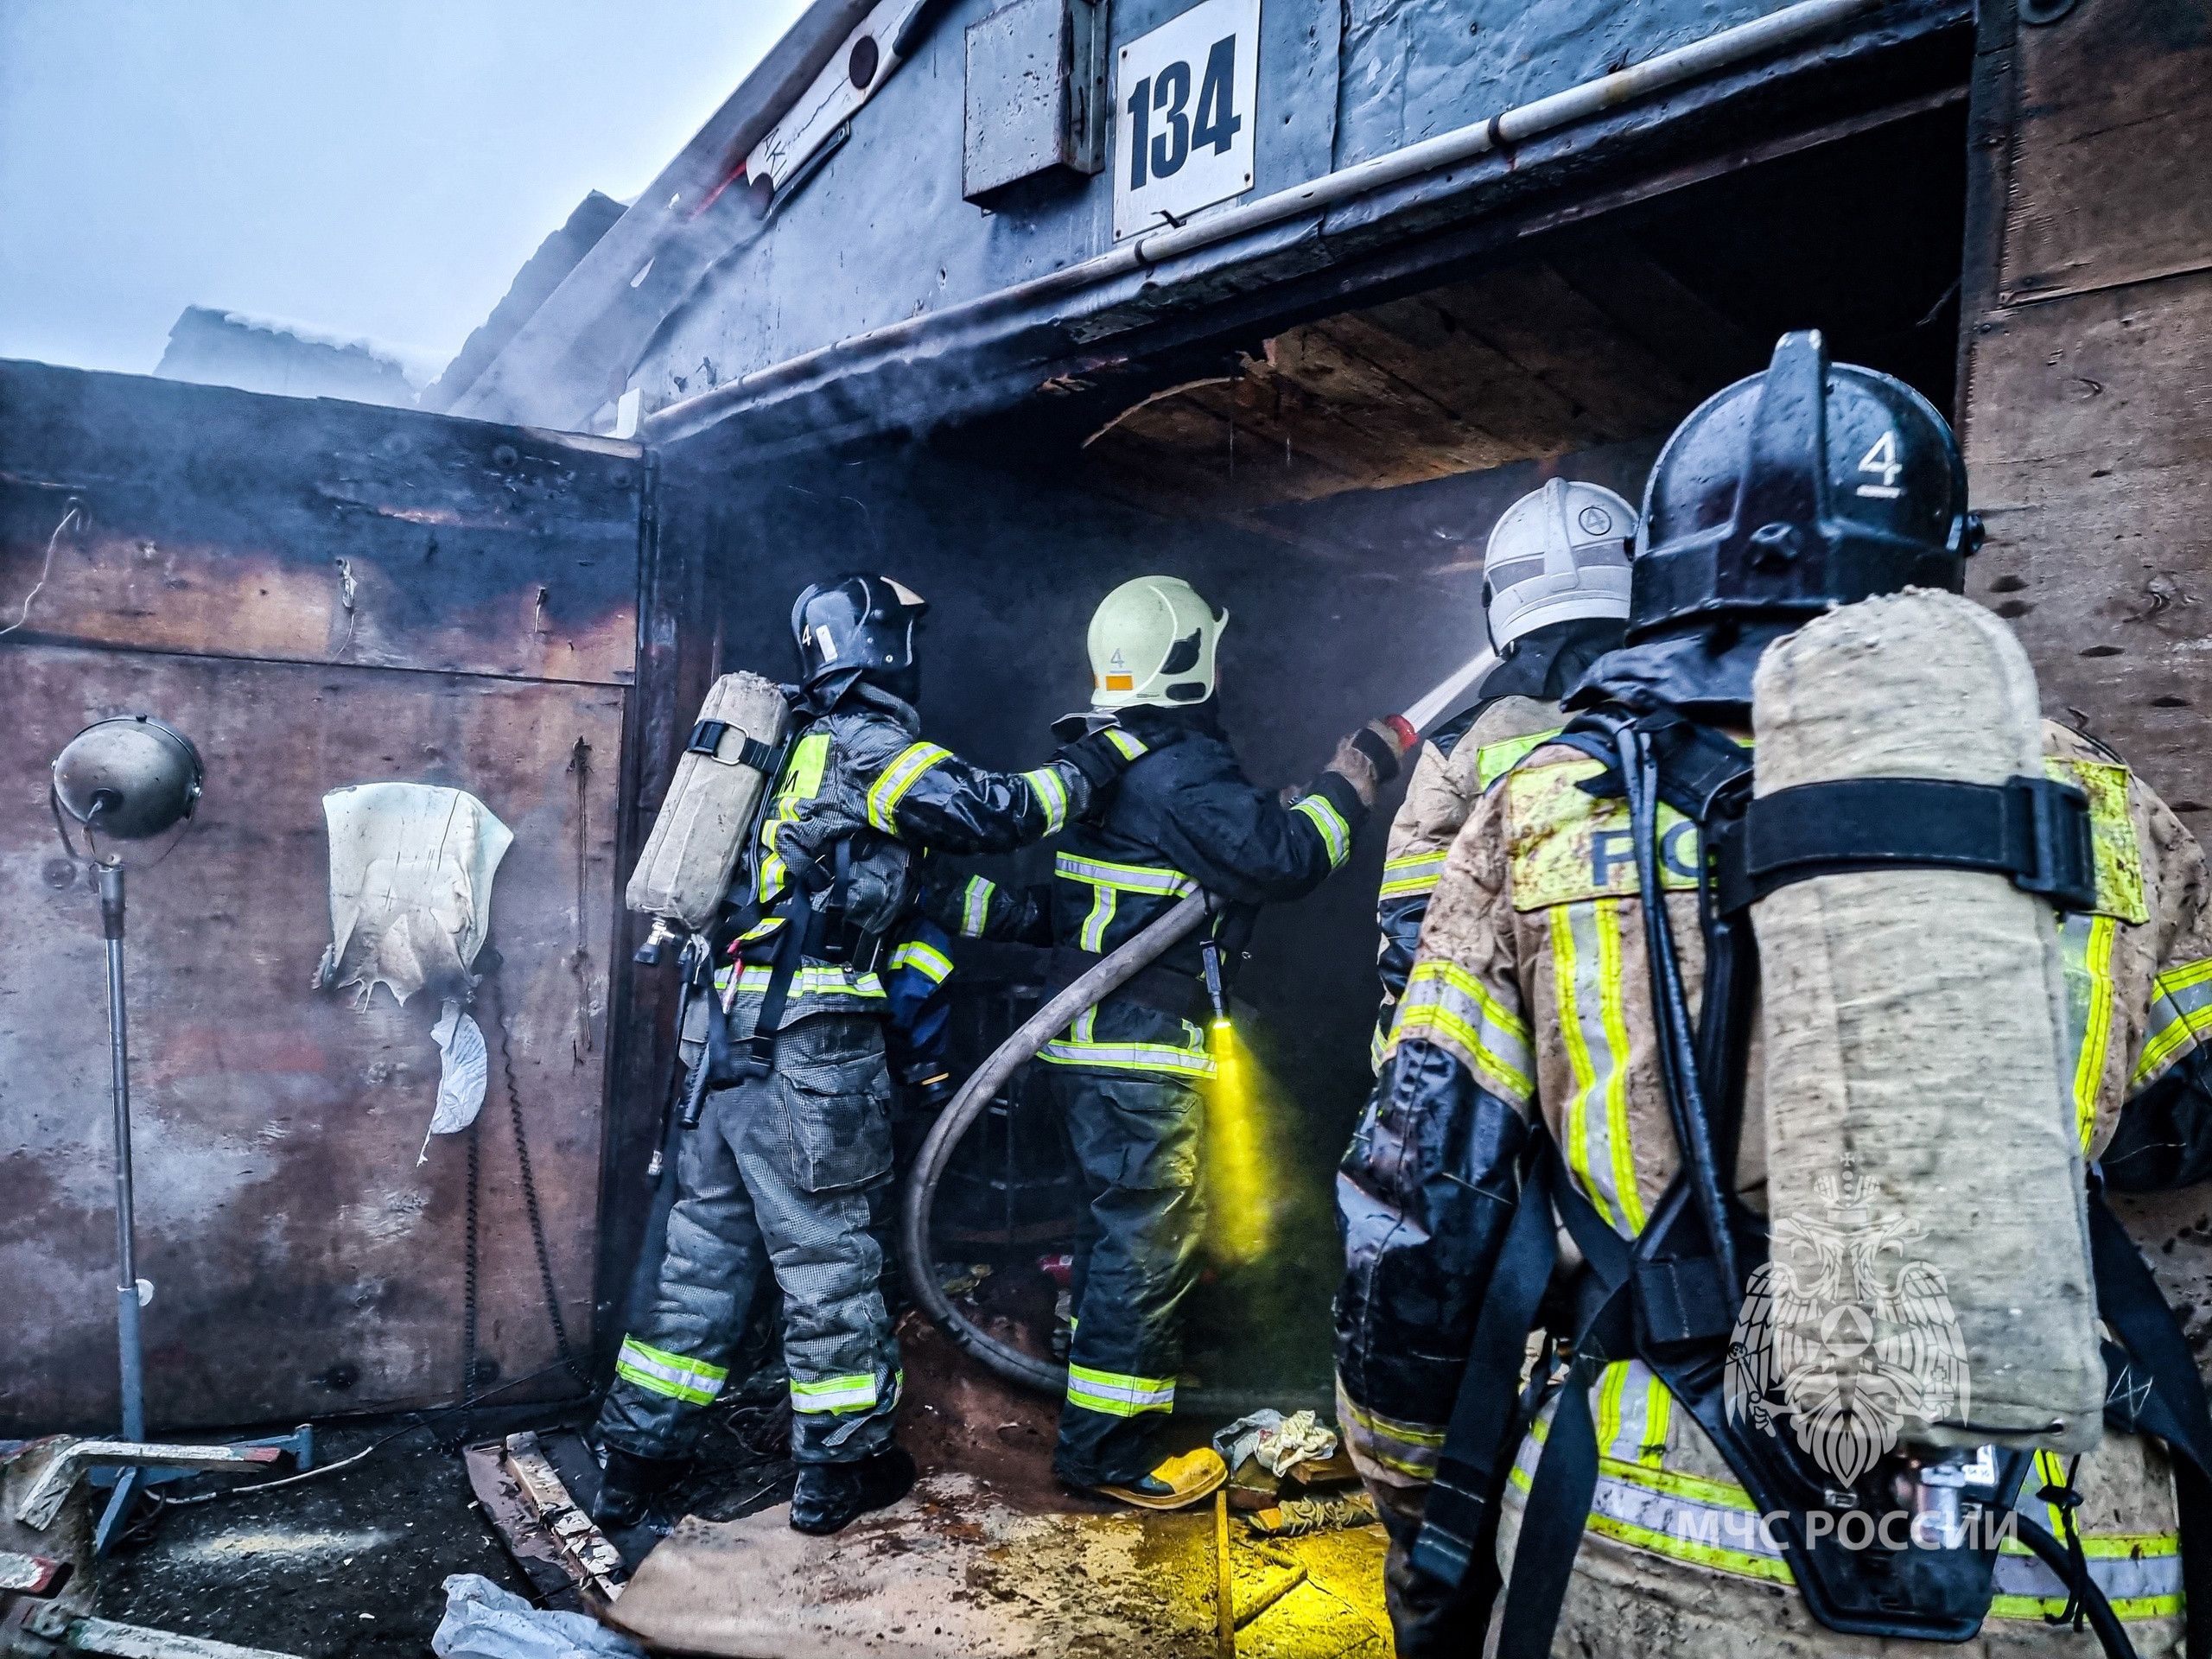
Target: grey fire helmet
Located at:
point(1809, 485)
point(1557, 555)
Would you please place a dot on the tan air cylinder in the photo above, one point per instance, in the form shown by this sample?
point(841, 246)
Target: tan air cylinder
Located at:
point(702, 824)
point(1916, 1112)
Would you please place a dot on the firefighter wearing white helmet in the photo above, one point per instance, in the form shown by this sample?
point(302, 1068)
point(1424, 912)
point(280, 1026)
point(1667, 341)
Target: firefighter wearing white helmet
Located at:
point(1128, 1073)
point(1556, 578)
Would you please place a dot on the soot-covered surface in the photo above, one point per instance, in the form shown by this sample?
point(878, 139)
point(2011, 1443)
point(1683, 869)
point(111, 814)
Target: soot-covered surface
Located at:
point(349, 1566)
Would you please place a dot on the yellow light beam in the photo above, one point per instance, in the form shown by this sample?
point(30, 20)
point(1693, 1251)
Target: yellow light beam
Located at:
point(1242, 1198)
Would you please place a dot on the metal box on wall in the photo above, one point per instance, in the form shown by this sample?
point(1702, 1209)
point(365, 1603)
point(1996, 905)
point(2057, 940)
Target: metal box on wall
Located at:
point(1036, 99)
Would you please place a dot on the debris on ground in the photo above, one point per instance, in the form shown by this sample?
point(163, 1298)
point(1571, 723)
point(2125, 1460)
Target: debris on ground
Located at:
point(484, 1622)
point(1277, 1442)
point(1294, 1517)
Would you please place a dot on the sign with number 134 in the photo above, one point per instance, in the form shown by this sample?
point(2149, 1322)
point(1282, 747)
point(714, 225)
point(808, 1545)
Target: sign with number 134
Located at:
point(1184, 118)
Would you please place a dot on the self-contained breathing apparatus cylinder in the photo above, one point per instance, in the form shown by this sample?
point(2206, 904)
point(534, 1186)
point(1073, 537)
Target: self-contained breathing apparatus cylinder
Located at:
point(1924, 1166)
point(700, 832)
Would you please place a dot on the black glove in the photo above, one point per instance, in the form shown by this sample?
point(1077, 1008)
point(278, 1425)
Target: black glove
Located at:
point(1100, 758)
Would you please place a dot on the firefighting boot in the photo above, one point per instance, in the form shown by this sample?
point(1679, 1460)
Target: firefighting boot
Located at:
point(629, 1485)
point(1176, 1484)
point(829, 1496)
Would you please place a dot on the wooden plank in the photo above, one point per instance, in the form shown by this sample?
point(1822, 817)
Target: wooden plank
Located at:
point(1395, 391)
point(2111, 175)
point(1525, 412)
point(1553, 334)
point(303, 1262)
point(1703, 348)
point(2089, 453)
point(227, 523)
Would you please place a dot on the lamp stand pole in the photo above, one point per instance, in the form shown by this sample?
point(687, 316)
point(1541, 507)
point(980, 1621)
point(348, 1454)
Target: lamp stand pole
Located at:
point(126, 1291)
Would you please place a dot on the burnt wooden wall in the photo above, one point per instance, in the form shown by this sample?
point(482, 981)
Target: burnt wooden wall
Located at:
point(2085, 377)
point(320, 593)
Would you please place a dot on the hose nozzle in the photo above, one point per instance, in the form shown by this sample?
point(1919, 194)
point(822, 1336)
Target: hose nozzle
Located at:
point(1210, 953)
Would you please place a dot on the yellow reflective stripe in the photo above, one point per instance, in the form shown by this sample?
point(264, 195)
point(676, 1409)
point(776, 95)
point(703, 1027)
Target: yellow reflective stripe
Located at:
point(2041, 1608)
point(1607, 1420)
point(1679, 1517)
point(926, 960)
point(1335, 834)
point(1494, 760)
point(975, 906)
point(802, 781)
point(1127, 742)
point(811, 979)
point(1445, 998)
point(1091, 936)
point(1052, 792)
point(671, 1376)
point(901, 775)
point(2086, 944)
point(1416, 873)
point(1566, 976)
point(2181, 1012)
point(853, 1393)
point(1130, 1057)
point(1658, 1415)
point(1587, 975)
point(1118, 1394)
point(1078, 1046)
point(1124, 878)
point(1409, 1448)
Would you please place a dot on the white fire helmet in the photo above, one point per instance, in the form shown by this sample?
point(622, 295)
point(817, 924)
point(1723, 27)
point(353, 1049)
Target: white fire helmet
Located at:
point(1558, 554)
point(1151, 641)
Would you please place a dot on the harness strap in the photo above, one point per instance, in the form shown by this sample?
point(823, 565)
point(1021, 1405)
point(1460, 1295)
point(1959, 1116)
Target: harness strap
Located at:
point(2031, 829)
point(1552, 1524)
point(1460, 1516)
point(2155, 1385)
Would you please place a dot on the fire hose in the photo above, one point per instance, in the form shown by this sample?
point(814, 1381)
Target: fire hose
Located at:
point(1098, 982)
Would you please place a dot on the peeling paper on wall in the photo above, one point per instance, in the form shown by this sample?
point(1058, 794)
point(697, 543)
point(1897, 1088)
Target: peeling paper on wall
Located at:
point(410, 903)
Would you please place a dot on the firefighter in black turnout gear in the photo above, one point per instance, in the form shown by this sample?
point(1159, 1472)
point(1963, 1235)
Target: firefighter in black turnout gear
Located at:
point(1129, 1075)
point(783, 1173)
point(1571, 1049)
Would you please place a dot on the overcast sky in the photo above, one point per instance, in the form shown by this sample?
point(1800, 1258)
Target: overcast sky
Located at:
point(378, 168)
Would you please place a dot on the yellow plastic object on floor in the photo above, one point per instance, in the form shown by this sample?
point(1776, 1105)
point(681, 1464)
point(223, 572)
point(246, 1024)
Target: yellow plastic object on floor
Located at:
point(1191, 1477)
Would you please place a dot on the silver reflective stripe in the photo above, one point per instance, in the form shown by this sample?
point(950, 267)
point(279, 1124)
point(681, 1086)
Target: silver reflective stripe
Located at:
point(926, 960)
point(1125, 878)
point(855, 1393)
point(1118, 1394)
point(1335, 834)
point(2155, 1575)
point(1052, 794)
point(659, 1372)
point(1127, 742)
point(975, 906)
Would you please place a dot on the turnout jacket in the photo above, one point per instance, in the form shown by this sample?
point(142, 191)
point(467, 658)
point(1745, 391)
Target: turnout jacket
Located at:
point(1460, 760)
point(1183, 819)
point(858, 771)
point(1531, 993)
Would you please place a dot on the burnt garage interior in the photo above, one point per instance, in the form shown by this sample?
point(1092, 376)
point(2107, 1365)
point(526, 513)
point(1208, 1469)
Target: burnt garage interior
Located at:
point(1323, 461)
point(1330, 481)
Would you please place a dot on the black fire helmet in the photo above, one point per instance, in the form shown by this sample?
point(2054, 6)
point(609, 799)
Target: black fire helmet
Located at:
point(1809, 485)
point(857, 622)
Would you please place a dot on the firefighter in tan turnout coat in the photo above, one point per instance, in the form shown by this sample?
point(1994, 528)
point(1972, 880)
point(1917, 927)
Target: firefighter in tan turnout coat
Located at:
point(1530, 1014)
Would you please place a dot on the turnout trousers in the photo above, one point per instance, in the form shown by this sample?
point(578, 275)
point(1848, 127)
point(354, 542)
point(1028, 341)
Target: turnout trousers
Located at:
point(784, 1176)
point(1136, 1136)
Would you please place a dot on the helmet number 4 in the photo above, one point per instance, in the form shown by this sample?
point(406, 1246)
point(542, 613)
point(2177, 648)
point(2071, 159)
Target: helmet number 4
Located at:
point(1882, 460)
